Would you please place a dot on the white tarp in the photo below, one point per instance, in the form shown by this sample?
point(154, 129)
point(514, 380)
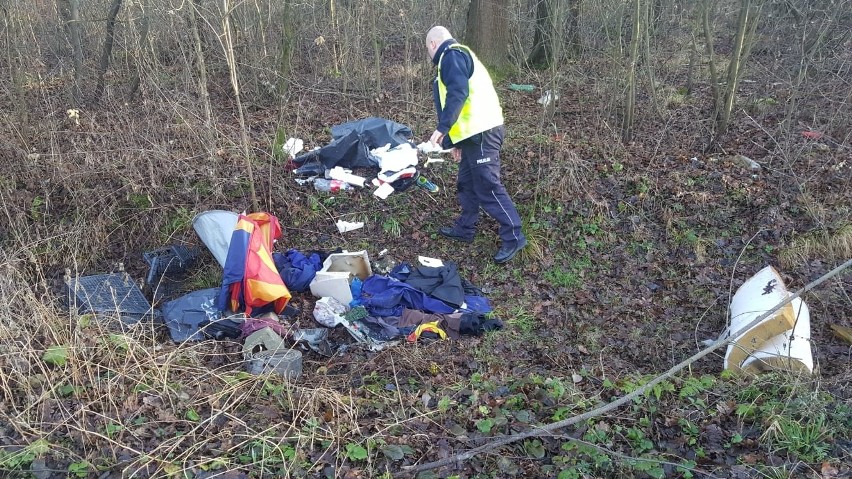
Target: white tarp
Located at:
point(215, 229)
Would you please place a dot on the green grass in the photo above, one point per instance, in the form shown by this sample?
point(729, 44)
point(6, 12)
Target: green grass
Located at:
point(521, 319)
point(392, 227)
point(571, 274)
point(806, 439)
point(177, 221)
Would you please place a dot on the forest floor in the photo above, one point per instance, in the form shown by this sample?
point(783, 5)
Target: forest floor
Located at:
point(635, 250)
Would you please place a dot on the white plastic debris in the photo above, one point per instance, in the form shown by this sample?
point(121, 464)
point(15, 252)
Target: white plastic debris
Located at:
point(293, 146)
point(328, 311)
point(781, 340)
point(383, 191)
point(790, 350)
point(746, 162)
point(215, 228)
point(547, 97)
point(395, 159)
point(337, 271)
point(389, 176)
point(429, 147)
point(430, 262)
point(338, 173)
point(431, 160)
point(344, 226)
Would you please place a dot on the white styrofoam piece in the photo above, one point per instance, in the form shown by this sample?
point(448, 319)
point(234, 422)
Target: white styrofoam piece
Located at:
point(344, 226)
point(395, 159)
point(431, 262)
point(383, 191)
point(756, 296)
point(790, 350)
point(338, 173)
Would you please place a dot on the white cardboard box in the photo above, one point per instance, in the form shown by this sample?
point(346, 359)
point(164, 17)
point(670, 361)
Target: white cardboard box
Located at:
point(337, 272)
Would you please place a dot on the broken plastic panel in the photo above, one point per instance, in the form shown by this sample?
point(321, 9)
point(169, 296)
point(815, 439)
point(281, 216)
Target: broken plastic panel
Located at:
point(170, 262)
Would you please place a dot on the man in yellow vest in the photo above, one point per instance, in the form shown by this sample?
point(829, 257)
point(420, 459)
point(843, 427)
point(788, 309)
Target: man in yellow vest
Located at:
point(470, 121)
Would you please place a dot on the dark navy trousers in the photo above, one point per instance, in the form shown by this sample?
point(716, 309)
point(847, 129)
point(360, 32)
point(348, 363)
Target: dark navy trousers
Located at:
point(479, 185)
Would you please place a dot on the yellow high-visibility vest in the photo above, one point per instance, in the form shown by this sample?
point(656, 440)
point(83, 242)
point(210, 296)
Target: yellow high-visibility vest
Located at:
point(481, 111)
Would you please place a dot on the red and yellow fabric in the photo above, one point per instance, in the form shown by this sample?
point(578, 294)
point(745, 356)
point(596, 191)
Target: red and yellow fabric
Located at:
point(431, 327)
point(250, 277)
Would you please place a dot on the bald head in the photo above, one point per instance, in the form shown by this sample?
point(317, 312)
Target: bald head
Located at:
point(436, 36)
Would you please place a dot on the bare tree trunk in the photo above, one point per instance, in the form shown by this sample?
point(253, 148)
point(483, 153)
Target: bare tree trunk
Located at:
point(377, 55)
point(335, 48)
point(488, 32)
point(557, 29)
point(70, 12)
point(541, 55)
point(235, 84)
point(14, 58)
point(742, 46)
point(706, 14)
point(648, 63)
point(572, 29)
point(288, 40)
point(630, 97)
point(693, 58)
point(106, 53)
point(143, 24)
point(208, 135)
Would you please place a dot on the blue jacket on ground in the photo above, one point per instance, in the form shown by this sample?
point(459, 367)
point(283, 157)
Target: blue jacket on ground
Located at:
point(384, 296)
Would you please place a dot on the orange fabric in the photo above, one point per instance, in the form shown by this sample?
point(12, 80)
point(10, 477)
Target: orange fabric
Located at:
point(261, 283)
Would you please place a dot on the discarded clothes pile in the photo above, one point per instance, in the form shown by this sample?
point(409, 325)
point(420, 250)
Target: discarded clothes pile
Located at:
point(409, 302)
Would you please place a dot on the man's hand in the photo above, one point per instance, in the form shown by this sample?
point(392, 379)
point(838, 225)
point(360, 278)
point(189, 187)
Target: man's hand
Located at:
point(436, 138)
point(456, 154)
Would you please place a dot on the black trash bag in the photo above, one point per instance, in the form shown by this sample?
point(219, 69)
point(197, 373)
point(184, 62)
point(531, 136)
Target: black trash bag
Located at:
point(351, 143)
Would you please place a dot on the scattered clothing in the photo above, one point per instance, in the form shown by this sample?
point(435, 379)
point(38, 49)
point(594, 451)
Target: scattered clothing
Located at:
point(450, 323)
point(251, 325)
point(422, 330)
point(297, 270)
point(441, 282)
point(384, 296)
point(476, 324)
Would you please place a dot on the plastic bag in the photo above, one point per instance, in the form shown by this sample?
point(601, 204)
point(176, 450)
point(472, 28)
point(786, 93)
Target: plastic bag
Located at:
point(355, 286)
point(329, 312)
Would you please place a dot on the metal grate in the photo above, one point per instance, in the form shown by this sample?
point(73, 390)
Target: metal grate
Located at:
point(102, 294)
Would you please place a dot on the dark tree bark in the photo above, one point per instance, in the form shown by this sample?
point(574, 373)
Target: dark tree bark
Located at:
point(557, 32)
point(630, 96)
point(143, 26)
point(541, 55)
point(106, 53)
point(488, 32)
point(288, 44)
point(572, 29)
